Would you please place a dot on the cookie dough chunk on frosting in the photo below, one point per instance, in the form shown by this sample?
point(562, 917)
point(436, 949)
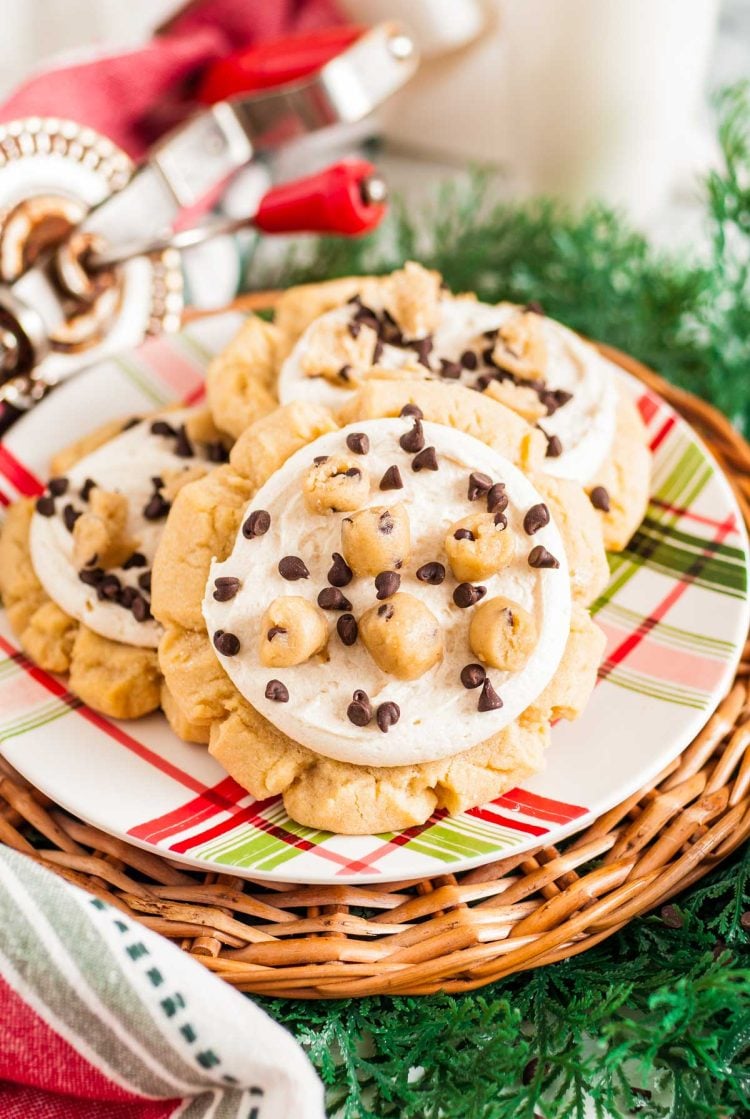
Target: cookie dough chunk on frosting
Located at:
point(375, 714)
point(75, 566)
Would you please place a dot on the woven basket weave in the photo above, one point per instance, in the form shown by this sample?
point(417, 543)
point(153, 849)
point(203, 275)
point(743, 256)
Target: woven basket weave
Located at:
point(453, 932)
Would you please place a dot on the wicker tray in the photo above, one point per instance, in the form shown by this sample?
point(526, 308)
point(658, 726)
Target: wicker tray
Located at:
point(453, 932)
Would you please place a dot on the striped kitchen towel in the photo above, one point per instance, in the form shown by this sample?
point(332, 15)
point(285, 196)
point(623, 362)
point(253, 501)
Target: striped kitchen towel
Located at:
point(100, 1017)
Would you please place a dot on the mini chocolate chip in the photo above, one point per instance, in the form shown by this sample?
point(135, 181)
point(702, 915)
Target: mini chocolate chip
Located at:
point(347, 629)
point(320, 459)
point(463, 534)
point(385, 523)
point(554, 447)
point(423, 348)
point(472, 675)
point(136, 559)
point(132, 422)
point(354, 328)
point(331, 598)
point(413, 440)
point(377, 353)
point(535, 307)
point(489, 700)
point(108, 587)
point(274, 631)
point(540, 557)
point(466, 594)
point(141, 611)
point(339, 573)
point(469, 359)
point(497, 498)
point(387, 716)
point(127, 597)
point(599, 498)
point(386, 584)
point(432, 573)
point(554, 399)
point(144, 581)
point(156, 507)
point(161, 427)
point(425, 460)
point(57, 486)
point(451, 370)
point(358, 443)
point(86, 488)
point(216, 451)
point(352, 472)
point(277, 691)
point(45, 505)
point(91, 576)
point(501, 520)
point(228, 644)
point(226, 587)
point(70, 516)
point(490, 335)
point(536, 517)
point(412, 410)
point(343, 374)
point(157, 482)
point(257, 524)
point(183, 447)
point(293, 568)
point(479, 485)
point(359, 710)
point(488, 355)
point(385, 611)
point(391, 480)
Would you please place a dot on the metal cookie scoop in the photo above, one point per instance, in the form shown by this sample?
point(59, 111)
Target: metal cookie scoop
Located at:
point(89, 256)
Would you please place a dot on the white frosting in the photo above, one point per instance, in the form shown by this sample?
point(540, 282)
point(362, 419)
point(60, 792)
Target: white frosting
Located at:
point(126, 465)
point(585, 425)
point(439, 716)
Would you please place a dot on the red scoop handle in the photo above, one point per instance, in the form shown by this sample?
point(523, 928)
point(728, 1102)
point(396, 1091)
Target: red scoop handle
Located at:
point(275, 63)
point(335, 200)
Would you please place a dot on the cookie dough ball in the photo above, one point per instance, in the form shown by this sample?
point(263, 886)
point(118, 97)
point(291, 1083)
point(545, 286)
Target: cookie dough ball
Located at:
point(335, 484)
point(520, 346)
point(291, 631)
point(99, 535)
point(479, 546)
point(376, 539)
point(402, 636)
point(502, 634)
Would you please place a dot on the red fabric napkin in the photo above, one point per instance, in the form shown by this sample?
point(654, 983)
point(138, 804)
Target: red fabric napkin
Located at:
point(135, 96)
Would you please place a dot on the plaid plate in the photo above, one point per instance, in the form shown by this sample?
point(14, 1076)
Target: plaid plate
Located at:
point(675, 615)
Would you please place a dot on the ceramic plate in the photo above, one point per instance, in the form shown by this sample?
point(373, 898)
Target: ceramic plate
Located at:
point(675, 615)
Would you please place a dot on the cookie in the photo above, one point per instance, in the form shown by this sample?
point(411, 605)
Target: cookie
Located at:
point(248, 738)
point(75, 565)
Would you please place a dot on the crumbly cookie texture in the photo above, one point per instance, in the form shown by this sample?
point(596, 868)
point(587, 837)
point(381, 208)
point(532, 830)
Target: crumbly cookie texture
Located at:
point(241, 381)
point(319, 791)
point(119, 680)
point(625, 477)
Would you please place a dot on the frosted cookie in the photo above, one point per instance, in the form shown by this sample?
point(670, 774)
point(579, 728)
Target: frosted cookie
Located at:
point(335, 337)
point(381, 622)
point(75, 565)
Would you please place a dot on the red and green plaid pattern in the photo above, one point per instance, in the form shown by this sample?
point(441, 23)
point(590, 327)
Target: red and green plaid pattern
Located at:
point(672, 613)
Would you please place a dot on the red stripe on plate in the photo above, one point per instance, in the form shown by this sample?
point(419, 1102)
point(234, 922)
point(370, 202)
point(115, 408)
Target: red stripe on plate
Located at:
point(688, 514)
point(223, 797)
point(663, 432)
point(541, 808)
point(648, 406)
point(22, 480)
point(506, 821)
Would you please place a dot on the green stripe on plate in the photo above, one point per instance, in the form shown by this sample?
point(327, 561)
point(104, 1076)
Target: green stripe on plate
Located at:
point(40, 717)
point(669, 635)
point(138, 378)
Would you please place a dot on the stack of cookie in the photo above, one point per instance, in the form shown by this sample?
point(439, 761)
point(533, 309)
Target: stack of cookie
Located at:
point(378, 605)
